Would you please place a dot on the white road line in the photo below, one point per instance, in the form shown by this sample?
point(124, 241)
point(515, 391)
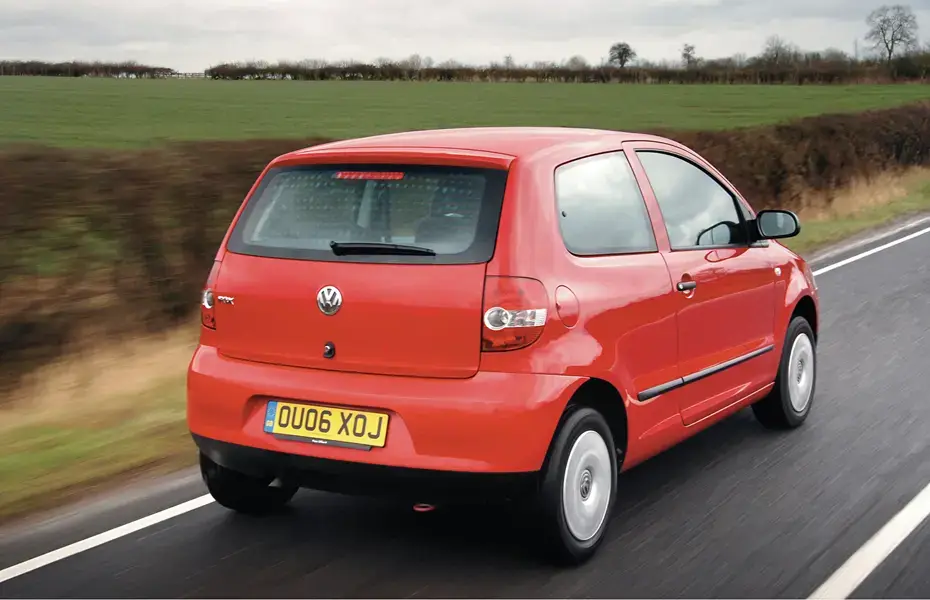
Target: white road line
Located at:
point(102, 538)
point(868, 253)
point(124, 530)
point(860, 565)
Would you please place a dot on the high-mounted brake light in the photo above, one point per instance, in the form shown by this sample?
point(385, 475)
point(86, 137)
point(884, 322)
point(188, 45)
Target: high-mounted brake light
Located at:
point(208, 299)
point(377, 175)
point(514, 313)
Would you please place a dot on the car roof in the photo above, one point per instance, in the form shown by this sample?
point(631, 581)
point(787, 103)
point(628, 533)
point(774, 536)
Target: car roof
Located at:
point(512, 141)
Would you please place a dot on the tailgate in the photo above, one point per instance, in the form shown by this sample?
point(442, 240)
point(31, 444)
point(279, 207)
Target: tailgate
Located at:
point(394, 319)
point(361, 269)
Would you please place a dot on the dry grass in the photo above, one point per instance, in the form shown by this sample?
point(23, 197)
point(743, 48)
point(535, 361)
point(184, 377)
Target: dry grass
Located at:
point(865, 204)
point(102, 381)
point(863, 194)
point(94, 418)
point(90, 420)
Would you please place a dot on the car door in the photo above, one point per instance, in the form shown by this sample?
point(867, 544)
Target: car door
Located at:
point(725, 284)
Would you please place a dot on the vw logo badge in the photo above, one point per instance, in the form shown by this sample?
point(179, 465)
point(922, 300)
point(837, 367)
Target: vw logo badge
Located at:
point(329, 300)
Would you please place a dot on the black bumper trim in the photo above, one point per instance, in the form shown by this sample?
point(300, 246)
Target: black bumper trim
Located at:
point(417, 485)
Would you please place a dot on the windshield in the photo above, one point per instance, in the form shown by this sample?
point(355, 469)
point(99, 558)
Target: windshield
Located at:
point(448, 215)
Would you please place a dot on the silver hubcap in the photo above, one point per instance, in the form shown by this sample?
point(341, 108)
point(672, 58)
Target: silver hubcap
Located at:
point(586, 486)
point(801, 373)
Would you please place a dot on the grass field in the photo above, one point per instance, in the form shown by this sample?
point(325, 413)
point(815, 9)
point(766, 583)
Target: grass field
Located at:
point(127, 113)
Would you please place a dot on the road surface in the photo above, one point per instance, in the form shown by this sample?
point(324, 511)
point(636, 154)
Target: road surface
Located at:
point(736, 512)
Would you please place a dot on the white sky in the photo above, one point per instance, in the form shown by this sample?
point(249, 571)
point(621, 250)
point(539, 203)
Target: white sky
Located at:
point(192, 35)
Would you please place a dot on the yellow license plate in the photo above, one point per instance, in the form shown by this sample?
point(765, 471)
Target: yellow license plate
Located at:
point(326, 425)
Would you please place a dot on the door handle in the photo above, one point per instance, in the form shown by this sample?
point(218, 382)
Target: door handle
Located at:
point(686, 286)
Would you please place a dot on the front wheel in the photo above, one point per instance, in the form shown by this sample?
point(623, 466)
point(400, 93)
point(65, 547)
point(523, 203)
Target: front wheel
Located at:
point(242, 493)
point(578, 487)
point(789, 402)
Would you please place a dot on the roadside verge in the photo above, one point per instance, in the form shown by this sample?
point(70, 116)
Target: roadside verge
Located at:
point(91, 422)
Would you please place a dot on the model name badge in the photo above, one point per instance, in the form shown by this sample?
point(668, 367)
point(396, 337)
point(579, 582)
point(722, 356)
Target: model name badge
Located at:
point(226, 299)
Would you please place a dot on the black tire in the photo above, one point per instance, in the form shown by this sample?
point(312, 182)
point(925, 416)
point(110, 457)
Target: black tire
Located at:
point(242, 493)
point(559, 544)
point(776, 410)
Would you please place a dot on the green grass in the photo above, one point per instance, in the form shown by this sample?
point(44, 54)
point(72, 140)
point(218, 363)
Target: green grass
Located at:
point(128, 113)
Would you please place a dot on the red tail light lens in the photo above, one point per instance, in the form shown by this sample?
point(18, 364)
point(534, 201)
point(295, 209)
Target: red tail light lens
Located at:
point(514, 313)
point(208, 299)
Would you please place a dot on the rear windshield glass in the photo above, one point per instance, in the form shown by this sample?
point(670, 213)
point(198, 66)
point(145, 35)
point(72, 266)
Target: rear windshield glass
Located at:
point(298, 212)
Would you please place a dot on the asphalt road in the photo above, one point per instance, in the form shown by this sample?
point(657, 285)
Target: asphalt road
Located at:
point(736, 512)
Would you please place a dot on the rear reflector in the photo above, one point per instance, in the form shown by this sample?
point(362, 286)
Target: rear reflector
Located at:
point(377, 175)
point(514, 313)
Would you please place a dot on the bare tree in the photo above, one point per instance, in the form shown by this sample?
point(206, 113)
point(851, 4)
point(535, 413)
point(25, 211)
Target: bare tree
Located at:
point(413, 62)
point(891, 29)
point(778, 52)
point(688, 56)
point(312, 64)
point(621, 54)
point(576, 63)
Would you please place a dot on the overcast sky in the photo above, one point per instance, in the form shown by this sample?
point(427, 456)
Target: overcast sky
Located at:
point(194, 34)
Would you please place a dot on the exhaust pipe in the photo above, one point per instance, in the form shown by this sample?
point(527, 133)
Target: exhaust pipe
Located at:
point(423, 508)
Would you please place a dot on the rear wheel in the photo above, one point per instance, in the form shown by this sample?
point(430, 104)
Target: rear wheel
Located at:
point(789, 402)
point(578, 487)
point(242, 493)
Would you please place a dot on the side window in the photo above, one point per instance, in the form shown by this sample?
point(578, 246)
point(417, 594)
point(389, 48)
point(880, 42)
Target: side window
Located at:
point(697, 210)
point(601, 208)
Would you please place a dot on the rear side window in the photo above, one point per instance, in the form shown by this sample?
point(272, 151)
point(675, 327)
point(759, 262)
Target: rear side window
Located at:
point(298, 212)
point(601, 209)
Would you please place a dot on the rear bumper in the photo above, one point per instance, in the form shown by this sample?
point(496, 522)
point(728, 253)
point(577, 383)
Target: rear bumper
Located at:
point(413, 485)
point(490, 423)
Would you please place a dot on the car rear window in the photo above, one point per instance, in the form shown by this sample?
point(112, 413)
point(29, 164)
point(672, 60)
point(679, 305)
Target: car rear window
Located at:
point(297, 212)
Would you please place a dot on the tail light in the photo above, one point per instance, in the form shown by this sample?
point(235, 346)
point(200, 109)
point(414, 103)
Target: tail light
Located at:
point(514, 313)
point(208, 299)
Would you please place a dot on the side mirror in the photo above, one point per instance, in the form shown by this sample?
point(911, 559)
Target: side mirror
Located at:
point(777, 224)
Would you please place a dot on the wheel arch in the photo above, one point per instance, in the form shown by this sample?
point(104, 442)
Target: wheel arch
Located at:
point(605, 398)
point(806, 308)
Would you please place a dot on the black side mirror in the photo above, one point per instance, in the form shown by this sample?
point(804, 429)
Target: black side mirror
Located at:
point(777, 224)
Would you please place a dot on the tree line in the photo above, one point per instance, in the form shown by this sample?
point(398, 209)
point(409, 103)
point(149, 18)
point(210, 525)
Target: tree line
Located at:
point(806, 71)
point(126, 69)
point(892, 33)
point(894, 55)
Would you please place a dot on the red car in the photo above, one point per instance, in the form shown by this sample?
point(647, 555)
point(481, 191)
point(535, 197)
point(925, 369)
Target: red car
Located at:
point(512, 313)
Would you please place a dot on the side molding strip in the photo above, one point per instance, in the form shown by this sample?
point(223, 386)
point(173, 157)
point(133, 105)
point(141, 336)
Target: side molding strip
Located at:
point(682, 381)
point(660, 389)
